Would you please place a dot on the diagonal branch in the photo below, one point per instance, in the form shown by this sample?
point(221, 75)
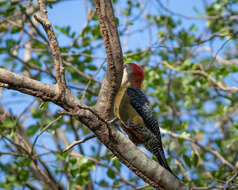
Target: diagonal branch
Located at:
point(78, 142)
point(203, 73)
point(118, 143)
point(144, 167)
point(58, 61)
point(95, 118)
point(206, 148)
point(113, 77)
point(23, 148)
point(98, 162)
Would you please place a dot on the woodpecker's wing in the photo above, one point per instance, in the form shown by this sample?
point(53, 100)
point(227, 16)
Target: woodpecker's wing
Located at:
point(142, 106)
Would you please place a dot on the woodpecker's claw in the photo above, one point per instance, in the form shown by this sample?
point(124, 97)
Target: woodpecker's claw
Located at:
point(128, 124)
point(114, 120)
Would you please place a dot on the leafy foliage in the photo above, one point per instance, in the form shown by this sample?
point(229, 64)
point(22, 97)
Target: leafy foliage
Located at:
point(190, 71)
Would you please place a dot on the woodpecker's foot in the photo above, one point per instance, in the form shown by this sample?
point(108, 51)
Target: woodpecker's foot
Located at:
point(129, 124)
point(114, 120)
point(123, 123)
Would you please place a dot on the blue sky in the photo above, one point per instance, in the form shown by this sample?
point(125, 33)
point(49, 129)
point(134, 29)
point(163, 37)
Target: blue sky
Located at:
point(72, 12)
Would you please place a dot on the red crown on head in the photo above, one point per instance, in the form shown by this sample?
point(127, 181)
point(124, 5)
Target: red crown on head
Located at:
point(137, 70)
point(138, 75)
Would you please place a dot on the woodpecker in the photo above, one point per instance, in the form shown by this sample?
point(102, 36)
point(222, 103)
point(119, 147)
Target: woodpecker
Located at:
point(135, 114)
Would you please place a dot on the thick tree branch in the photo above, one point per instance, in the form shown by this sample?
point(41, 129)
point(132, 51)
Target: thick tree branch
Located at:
point(95, 118)
point(113, 77)
point(118, 143)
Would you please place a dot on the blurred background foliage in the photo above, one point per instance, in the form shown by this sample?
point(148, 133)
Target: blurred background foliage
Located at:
point(191, 65)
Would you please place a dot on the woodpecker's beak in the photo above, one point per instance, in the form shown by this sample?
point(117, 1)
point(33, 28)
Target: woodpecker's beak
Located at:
point(125, 75)
point(125, 68)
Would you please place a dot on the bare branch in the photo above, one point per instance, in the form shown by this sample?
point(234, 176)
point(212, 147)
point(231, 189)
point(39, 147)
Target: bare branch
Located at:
point(113, 77)
point(78, 142)
point(58, 61)
point(94, 118)
point(203, 73)
point(23, 147)
point(43, 130)
point(206, 148)
point(183, 170)
point(89, 17)
point(89, 82)
point(105, 165)
point(81, 73)
point(230, 180)
point(28, 86)
point(118, 143)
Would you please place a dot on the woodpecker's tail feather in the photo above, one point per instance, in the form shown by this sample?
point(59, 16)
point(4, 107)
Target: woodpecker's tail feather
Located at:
point(154, 145)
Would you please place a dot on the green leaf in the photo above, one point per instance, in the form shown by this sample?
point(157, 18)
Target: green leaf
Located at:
point(187, 160)
point(73, 160)
point(8, 123)
point(61, 156)
point(44, 105)
point(74, 172)
point(65, 30)
point(195, 159)
point(234, 127)
point(117, 164)
point(187, 62)
point(111, 174)
point(117, 21)
point(23, 175)
point(31, 130)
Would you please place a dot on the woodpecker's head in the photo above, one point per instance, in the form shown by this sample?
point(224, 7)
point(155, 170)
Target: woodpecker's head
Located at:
point(133, 75)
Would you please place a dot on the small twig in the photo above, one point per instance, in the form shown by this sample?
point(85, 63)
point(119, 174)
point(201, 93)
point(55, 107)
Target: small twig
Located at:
point(89, 82)
point(26, 31)
point(43, 130)
point(58, 61)
point(203, 73)
point(26, 109)
point(182, 169)
point(11, 153)
point(230, 180)
point(84, 108)
point(89, 17)
point(81, 73)
point(78, 142)
point(206, 148)
point(90, 91)
point(32, 23)
point(107, 166)
point(94, 113)
point(188, 17)
point(27, 63)
point(82, 54)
